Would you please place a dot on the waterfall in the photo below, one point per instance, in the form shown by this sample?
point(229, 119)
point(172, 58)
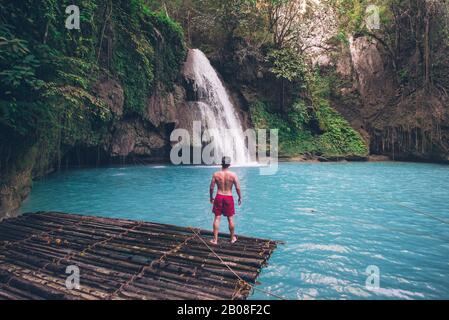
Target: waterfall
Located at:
point(218, 114)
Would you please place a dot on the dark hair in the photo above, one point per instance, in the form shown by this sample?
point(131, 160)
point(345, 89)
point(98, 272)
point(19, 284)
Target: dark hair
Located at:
point(225, 162)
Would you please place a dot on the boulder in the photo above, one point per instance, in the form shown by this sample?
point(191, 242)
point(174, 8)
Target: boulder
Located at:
point(133, 137)
point(111, 92)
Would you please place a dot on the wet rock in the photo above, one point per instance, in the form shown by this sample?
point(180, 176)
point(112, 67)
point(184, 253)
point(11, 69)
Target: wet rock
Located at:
point(403, 123)
point(13, 193)
point(373, 72)
point(111, 92)
point(133, 137)
point(161, 108)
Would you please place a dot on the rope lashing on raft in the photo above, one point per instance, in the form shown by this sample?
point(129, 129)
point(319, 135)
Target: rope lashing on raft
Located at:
point(70, 255)
point(150, 266)
point(242, 282)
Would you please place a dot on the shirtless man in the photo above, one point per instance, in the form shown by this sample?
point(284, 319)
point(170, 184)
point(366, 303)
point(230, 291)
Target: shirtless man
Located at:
point(224, 202)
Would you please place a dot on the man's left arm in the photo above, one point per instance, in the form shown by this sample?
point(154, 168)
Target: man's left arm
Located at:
point(237, 188)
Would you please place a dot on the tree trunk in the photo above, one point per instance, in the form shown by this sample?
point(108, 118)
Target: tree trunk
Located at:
point(427, 51)
point(189, 19)
point(283, 97)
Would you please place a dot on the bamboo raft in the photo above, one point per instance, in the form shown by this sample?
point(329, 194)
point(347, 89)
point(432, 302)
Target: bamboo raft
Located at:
point(122, 259)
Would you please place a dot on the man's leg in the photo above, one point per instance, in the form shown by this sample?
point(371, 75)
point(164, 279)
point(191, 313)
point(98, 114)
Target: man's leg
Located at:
point(232, 229)
point(216, 228)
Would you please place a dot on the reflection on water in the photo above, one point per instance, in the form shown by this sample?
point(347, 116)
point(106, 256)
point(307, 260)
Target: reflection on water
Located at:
point(336, 219)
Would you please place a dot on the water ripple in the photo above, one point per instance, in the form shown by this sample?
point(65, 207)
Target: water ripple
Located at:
point(336, 220)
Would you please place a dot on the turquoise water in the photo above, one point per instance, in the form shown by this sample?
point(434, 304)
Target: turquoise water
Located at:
point(336, 219)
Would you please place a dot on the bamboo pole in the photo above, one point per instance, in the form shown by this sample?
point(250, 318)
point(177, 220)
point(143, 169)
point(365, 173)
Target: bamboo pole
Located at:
point(122, 259)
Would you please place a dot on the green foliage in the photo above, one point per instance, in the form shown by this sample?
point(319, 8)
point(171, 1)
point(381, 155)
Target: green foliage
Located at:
point(211, 24)
point(132, 64)
point(352, 15)
point(291, 140)
point(47, 72)
point(299, 115)
point(18, 65)
point(404, 75)
point(150, 49)
point(297, 134)
point(167, 37)
point(286, 64)
point(339, 138)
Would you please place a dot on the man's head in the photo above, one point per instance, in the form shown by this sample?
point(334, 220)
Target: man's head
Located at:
point(225, 162)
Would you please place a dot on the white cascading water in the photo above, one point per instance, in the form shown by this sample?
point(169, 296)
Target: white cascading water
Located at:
point(217, 111)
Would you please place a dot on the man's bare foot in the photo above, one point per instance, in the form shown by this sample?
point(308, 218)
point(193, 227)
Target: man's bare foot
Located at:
point(234, 240)
point(214, 242)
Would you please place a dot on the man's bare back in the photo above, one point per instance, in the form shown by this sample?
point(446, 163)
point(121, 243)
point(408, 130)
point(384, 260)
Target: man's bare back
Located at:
point(225, 179)
point(224, 201)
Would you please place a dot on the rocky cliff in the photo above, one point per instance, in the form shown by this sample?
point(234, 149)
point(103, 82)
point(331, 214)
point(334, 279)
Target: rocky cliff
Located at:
point(386, 63)
point(403, 122)
point(129, 139)
point(109, 92)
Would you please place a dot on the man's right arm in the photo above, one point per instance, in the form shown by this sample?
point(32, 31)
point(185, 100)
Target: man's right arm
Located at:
point(212, 189)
